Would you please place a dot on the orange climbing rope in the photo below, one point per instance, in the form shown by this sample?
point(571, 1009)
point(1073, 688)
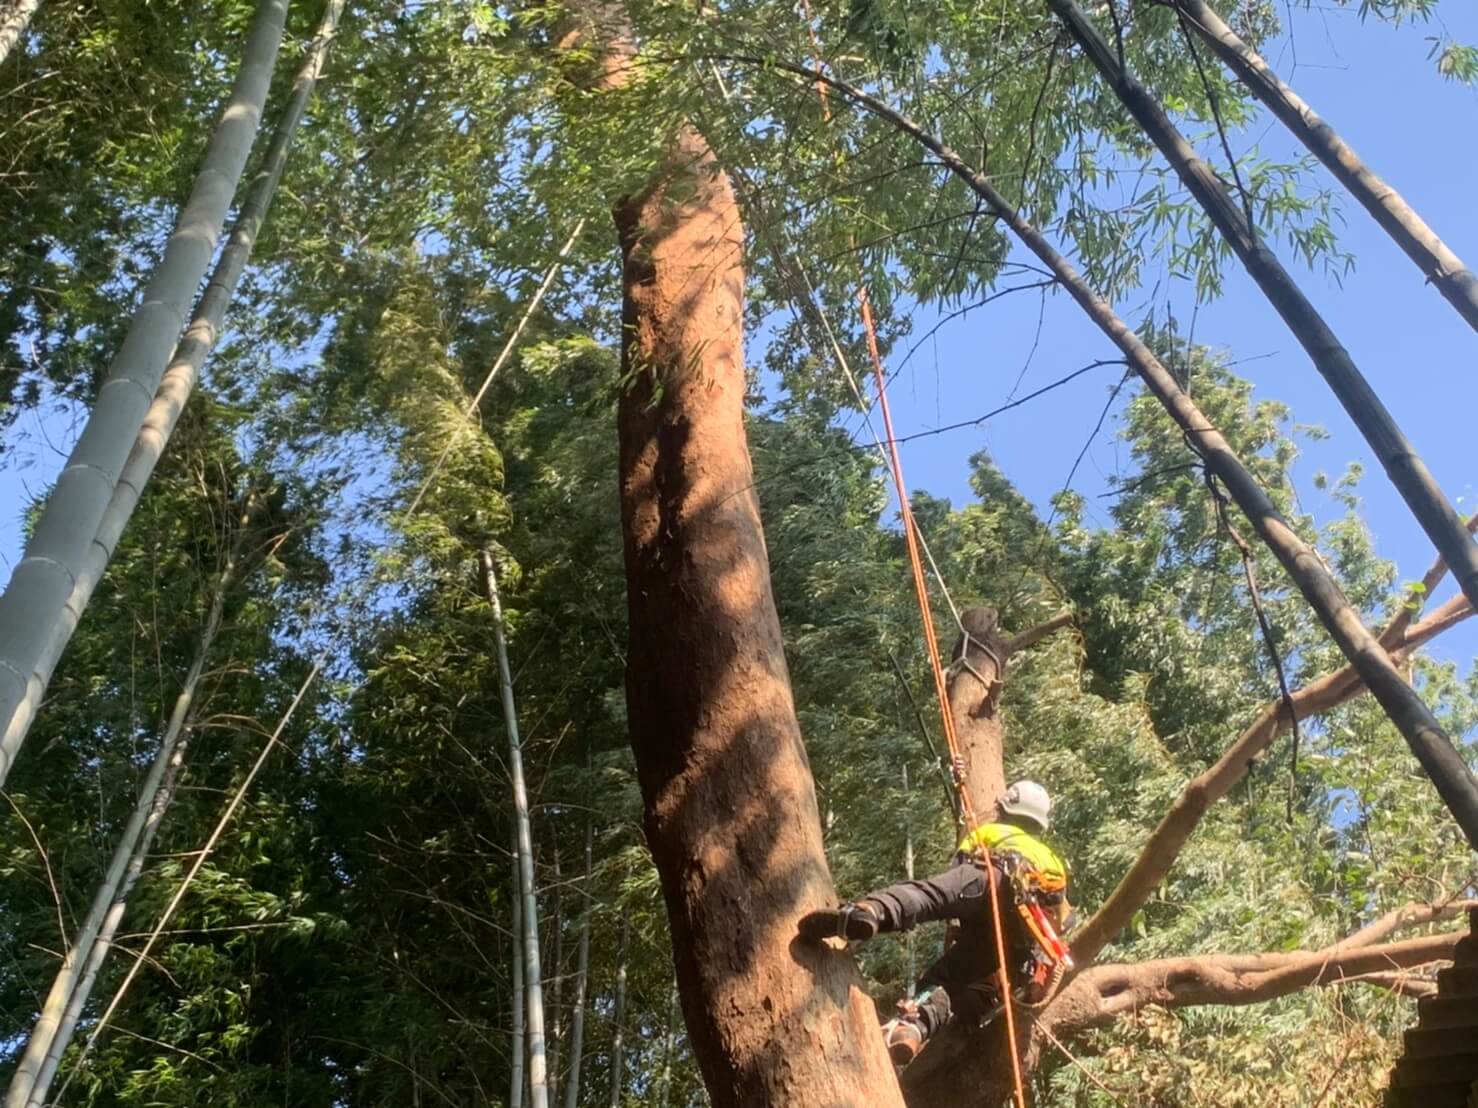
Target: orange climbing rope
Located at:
point(941, 686)
point(926, 618)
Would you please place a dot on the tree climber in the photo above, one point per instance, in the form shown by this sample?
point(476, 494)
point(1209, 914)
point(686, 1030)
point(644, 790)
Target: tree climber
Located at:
point(1032, 887)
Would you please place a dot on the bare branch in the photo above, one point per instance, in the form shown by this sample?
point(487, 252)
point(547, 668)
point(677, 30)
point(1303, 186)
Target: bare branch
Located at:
point(1430, 580)
point(1410, 915)
point(1033, 635)
point(1104, 993)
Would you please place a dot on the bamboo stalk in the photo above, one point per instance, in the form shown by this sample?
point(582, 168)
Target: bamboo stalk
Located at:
point(31, 608)
point(1441, 266)
point(1433, 749)
point(533, 991)
point(1431, 507)
point(582, 969)
point(103, 944)
point(178, 381)
point(73, 982)
point(557, 978)
point(669, 1044)
point(515, 1077)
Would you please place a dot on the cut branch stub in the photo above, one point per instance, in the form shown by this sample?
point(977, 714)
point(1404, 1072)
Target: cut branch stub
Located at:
point(975, 678)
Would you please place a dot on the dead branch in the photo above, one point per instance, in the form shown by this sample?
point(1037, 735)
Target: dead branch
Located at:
point(1409, 915)
point(1033, 635)
point(1430, 580)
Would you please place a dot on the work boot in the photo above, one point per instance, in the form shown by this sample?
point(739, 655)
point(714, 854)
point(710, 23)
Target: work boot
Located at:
point(904, 1038)
point(855, 922)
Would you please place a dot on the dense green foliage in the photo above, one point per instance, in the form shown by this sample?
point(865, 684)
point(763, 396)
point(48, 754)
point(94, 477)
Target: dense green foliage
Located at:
point(349, 941)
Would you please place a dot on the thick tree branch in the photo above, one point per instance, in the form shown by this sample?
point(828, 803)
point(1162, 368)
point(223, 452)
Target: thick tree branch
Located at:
point(1409, 915)
point(1160, 851)
point(1105, 993)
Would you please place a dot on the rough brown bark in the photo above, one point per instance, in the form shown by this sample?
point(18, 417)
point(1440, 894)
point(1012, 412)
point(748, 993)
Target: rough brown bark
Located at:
point(731, 814)
point(976, 676)
point(730, 808)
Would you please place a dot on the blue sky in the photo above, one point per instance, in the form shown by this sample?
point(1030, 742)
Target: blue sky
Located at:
point(1377, 86)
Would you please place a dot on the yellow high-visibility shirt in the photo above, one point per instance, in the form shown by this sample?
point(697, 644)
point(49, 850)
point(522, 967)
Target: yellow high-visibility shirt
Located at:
point(1051, 870)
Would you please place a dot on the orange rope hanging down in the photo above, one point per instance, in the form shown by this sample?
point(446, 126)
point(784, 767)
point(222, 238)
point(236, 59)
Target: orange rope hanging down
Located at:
point(941, 686)
point(926, 618)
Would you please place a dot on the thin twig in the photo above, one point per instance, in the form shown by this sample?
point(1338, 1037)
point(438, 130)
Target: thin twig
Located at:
point(1243, 549)
point(56, 896)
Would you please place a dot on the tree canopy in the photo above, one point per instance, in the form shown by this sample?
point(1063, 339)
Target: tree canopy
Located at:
point(352, 939)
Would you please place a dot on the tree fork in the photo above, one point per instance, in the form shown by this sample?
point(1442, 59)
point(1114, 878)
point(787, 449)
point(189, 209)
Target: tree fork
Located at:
point(1428, 741)
point(1432, 508)
point(1441, 266)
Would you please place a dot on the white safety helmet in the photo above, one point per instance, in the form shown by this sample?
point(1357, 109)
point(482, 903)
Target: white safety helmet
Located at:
point(1028, 800)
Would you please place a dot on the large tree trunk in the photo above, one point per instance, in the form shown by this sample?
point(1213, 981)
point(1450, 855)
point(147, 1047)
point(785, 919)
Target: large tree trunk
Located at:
point(523, 853)
point(33, 604)
point(731, 813)
point(1454, 280)
point(730, 807)
point(179, 377)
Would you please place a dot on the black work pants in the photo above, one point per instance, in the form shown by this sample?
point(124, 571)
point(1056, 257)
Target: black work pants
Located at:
point(963, 980)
